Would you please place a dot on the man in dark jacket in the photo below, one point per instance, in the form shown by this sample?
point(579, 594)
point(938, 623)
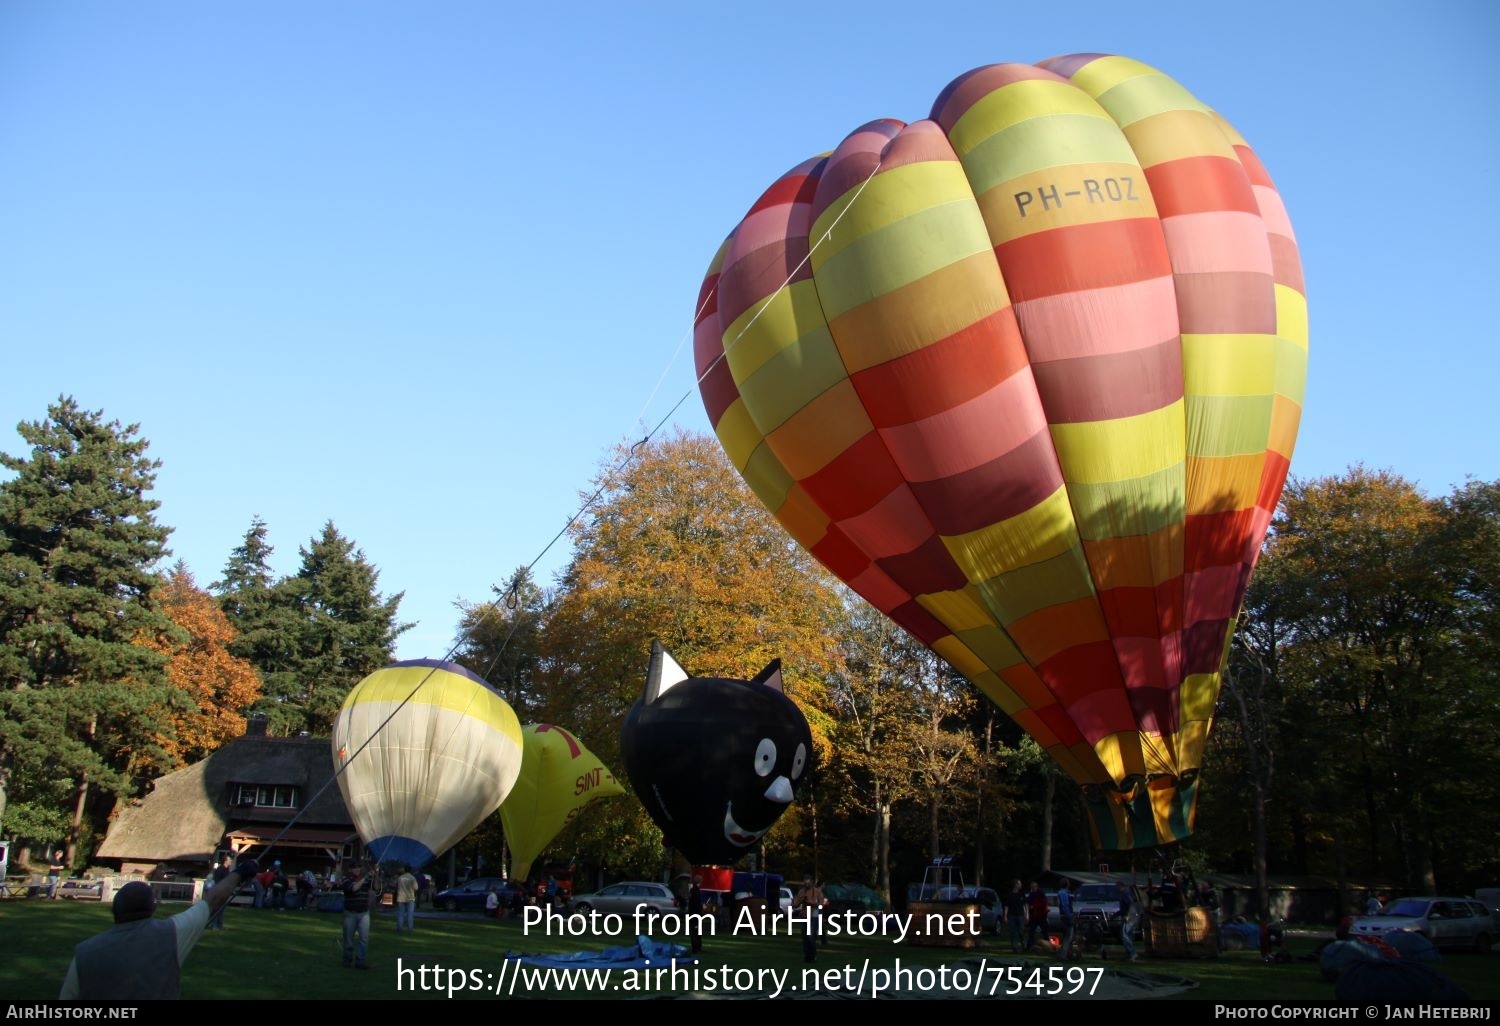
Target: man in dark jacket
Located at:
point(140, 958)
point(1015, 915)
point(356, 888)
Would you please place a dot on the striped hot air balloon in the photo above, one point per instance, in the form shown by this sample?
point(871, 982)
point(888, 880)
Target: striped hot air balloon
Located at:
point(1027, 376)
point(427, 751)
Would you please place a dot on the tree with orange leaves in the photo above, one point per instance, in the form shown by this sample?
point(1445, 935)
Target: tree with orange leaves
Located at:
point(218, 685)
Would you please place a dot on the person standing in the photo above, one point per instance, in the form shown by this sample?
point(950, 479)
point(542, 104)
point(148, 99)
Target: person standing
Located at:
point(695, 909)
point(278, 886)
point(1129, 916)
point(406, 901)
point(55, 867)
point(1036, 915)
point(1015, 915)
point(221, 871)
point(1065, 913)
point(140, 958)
point(356, 890)
point(810, 901)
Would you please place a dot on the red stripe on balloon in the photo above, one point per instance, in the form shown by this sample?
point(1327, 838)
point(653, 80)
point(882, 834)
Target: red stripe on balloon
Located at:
point(942, 375)
point(1083, 256)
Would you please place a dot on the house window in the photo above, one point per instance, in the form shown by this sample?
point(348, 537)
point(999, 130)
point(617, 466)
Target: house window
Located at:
point(266, 797)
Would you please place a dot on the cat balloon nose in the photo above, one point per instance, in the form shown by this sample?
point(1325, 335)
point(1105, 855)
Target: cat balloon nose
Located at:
point(780, 791)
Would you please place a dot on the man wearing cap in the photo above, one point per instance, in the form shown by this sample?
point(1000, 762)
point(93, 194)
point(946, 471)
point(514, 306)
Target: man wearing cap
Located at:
point(140, 957)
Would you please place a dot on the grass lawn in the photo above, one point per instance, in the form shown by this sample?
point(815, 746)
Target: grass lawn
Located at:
point(286, 955)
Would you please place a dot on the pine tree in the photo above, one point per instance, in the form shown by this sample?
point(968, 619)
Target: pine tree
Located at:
point(345, 631)
point(78, 541)
point(268, 625)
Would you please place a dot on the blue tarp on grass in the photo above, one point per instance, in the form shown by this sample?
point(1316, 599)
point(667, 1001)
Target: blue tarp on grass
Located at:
point(644, 952)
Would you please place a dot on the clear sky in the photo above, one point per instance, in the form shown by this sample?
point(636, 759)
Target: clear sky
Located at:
point(416, 268)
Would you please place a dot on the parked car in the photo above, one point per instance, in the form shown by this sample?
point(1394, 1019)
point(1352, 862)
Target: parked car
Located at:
point(1460, 923)
point(625, 897)
point(471, 896)
point(991, 908)
point(786, 897)
point(1105, 898)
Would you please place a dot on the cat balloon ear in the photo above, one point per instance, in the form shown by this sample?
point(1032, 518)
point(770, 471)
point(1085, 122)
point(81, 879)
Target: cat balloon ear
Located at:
point(771, 676)
point(663, 674)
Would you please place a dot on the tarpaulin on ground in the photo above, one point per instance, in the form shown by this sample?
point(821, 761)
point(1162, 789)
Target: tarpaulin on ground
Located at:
point(644, 952)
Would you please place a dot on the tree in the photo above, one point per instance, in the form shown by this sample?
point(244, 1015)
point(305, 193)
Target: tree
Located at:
point(1373, 601)
point(78, 541)
point(200, 666)
point(268, 626)
point(501, 642)
point(874, 705)
point(344, 631)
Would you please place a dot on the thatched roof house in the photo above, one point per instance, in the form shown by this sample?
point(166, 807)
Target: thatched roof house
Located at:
point(238, 801)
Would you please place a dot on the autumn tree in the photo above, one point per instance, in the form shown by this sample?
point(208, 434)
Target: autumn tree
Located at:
point(215, 685)
point(78, 543)
point(874, 703)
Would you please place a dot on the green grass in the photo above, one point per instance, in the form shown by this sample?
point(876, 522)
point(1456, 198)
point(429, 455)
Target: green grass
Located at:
point(270, 955)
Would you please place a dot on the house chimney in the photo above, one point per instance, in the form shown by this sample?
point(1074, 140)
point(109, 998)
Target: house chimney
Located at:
point(255, 725)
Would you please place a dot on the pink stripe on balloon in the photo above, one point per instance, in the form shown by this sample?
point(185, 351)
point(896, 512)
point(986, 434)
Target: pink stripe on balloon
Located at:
point(1220, 241)
point(969, 435)
point(1117, 319)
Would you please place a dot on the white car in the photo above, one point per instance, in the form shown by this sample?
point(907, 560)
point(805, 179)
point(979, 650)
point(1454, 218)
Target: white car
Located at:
point(786, 898)
point(1461, 923)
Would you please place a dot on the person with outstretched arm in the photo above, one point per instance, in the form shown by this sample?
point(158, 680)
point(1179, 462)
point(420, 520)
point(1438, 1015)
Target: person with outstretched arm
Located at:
point(140, 957)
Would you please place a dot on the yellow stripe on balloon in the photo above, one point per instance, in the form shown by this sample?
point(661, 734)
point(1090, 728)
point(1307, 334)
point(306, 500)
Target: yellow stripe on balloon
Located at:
point(1033, 146)
point(768, 327)
point(1044, 531)
point(1111, 450)
point(1142, 96)
point(1229, 364)
point(738, 434)
point(410, 684)
point(886, 258)
point(1014, 103)
point(1156, 502)
point(888, 198)
point(1230, 425)
point(1175, 134)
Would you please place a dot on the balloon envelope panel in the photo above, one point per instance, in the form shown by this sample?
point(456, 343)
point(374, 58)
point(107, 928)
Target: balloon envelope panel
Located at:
point(558, 777)
point(446, 759)
point(1027, 376)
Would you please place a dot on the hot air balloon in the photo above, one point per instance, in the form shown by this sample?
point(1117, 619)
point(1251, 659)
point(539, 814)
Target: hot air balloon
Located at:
point(427, 750)
point(714, 760)
point(558, 778)
point(1027, 376)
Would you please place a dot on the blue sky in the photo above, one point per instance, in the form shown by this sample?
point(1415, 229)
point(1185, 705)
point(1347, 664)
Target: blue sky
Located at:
point(416, 268)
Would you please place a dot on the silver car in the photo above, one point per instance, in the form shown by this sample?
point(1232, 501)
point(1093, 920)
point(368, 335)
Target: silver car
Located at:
point(625, 897)
point(1453, 923)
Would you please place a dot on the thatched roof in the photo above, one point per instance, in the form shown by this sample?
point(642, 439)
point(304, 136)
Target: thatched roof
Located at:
point(186, 813)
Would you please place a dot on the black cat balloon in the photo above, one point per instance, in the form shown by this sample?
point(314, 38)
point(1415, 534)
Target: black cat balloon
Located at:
point(715, 761)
